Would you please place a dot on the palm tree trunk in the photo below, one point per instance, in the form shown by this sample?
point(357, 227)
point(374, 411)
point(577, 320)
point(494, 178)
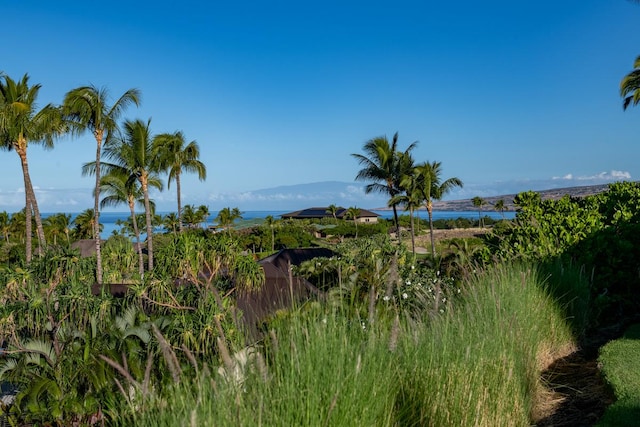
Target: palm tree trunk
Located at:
point(30, 203)
point(147, 208)
point(413, 234)
point(96, 210)
point(42, 243)
point(179, 202)
point(28, 231)
point(433, 243)
point(136, 230)
point(395, 220)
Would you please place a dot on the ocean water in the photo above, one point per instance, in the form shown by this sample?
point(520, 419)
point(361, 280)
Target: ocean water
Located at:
point(109, 219)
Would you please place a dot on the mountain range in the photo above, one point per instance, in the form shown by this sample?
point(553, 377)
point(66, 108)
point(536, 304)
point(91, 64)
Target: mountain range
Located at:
point(345, 194)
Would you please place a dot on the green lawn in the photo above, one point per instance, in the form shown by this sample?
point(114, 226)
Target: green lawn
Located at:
point(620, 361)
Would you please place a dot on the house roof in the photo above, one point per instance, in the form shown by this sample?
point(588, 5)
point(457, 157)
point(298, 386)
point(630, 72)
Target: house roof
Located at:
point(277, 291)
point(321, 212)
point(286, 257)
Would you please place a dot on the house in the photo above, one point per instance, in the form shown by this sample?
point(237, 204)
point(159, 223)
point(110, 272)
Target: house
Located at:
point(341, 213)
point(279, 286)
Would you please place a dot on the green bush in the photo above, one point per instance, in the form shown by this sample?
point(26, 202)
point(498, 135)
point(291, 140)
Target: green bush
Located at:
point(599, 233)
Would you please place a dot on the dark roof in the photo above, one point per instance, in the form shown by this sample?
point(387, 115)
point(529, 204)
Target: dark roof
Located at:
point(87, 247)
point(320, 212)
point(276, 292)
point(283, 258)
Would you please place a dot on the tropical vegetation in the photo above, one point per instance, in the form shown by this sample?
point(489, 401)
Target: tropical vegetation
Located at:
point(148, 330)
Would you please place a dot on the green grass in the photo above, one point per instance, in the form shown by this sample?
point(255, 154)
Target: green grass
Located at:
point(620, 361)
point(477, 364)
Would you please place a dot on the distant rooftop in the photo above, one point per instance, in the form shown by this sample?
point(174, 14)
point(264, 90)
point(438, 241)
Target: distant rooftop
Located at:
point(323, 212)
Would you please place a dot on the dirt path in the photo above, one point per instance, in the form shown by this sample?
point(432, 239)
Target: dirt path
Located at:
point(578, 395)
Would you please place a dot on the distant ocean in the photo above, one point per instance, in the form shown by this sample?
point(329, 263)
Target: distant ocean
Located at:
point(109, 219)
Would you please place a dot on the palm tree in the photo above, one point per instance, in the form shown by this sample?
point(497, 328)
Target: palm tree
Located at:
point(333, 211)
point(227, 216)
point(87, 109)
point(84, 225)
point(21, 124)
point(132, 153)
point(56, 225)
point(5, 225)
point(176, 157)
point(431, 187)
point(270, 221)
point(382, 167)
point(479, 202)
point(190, 216)
point(500, 207)
point(170, 222)
point(411, 198)
point(119, 188)
point(353, 213)
point(18, 223)
point(203, 214)
point(630, 86)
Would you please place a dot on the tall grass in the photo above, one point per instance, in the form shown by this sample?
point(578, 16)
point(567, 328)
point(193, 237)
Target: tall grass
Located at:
point(477, 364)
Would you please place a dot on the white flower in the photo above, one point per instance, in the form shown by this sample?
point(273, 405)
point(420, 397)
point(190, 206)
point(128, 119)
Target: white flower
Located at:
point(386, 298)
point(458, 290)
point(408, 282)
point(438, 273)
point(324, 320)
point(405, 296)
point(413, 267)
point(444, 300)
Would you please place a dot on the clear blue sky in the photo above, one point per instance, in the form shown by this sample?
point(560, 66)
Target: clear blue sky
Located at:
point(503, 93)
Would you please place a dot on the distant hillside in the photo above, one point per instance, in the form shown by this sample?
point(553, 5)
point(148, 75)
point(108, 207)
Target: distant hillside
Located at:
point(556, 193)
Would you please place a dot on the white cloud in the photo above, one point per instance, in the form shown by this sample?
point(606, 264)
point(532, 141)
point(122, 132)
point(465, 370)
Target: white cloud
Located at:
point(602, 177)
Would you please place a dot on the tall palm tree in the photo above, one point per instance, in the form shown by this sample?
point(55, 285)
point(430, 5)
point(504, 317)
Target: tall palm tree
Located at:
point(271, 223)
point(84, 225)
point(500, 207)
point(190, 216)
point(58, 225)
point(412, 200)
point(87, 109)
point(630, 86)
point(353, 213)
point(170, 222)
point(132, 153)
point(479, 202)
point(119, 188)
point(382, 167)
point(203, 214)
point(227, 216)
point(431, 186)
point(177, 157)
point(21, 124)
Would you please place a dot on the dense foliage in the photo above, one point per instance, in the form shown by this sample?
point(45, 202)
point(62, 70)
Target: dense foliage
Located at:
point(599, 233)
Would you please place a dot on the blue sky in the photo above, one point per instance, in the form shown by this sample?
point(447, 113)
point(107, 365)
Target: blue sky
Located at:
point(509, 96)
